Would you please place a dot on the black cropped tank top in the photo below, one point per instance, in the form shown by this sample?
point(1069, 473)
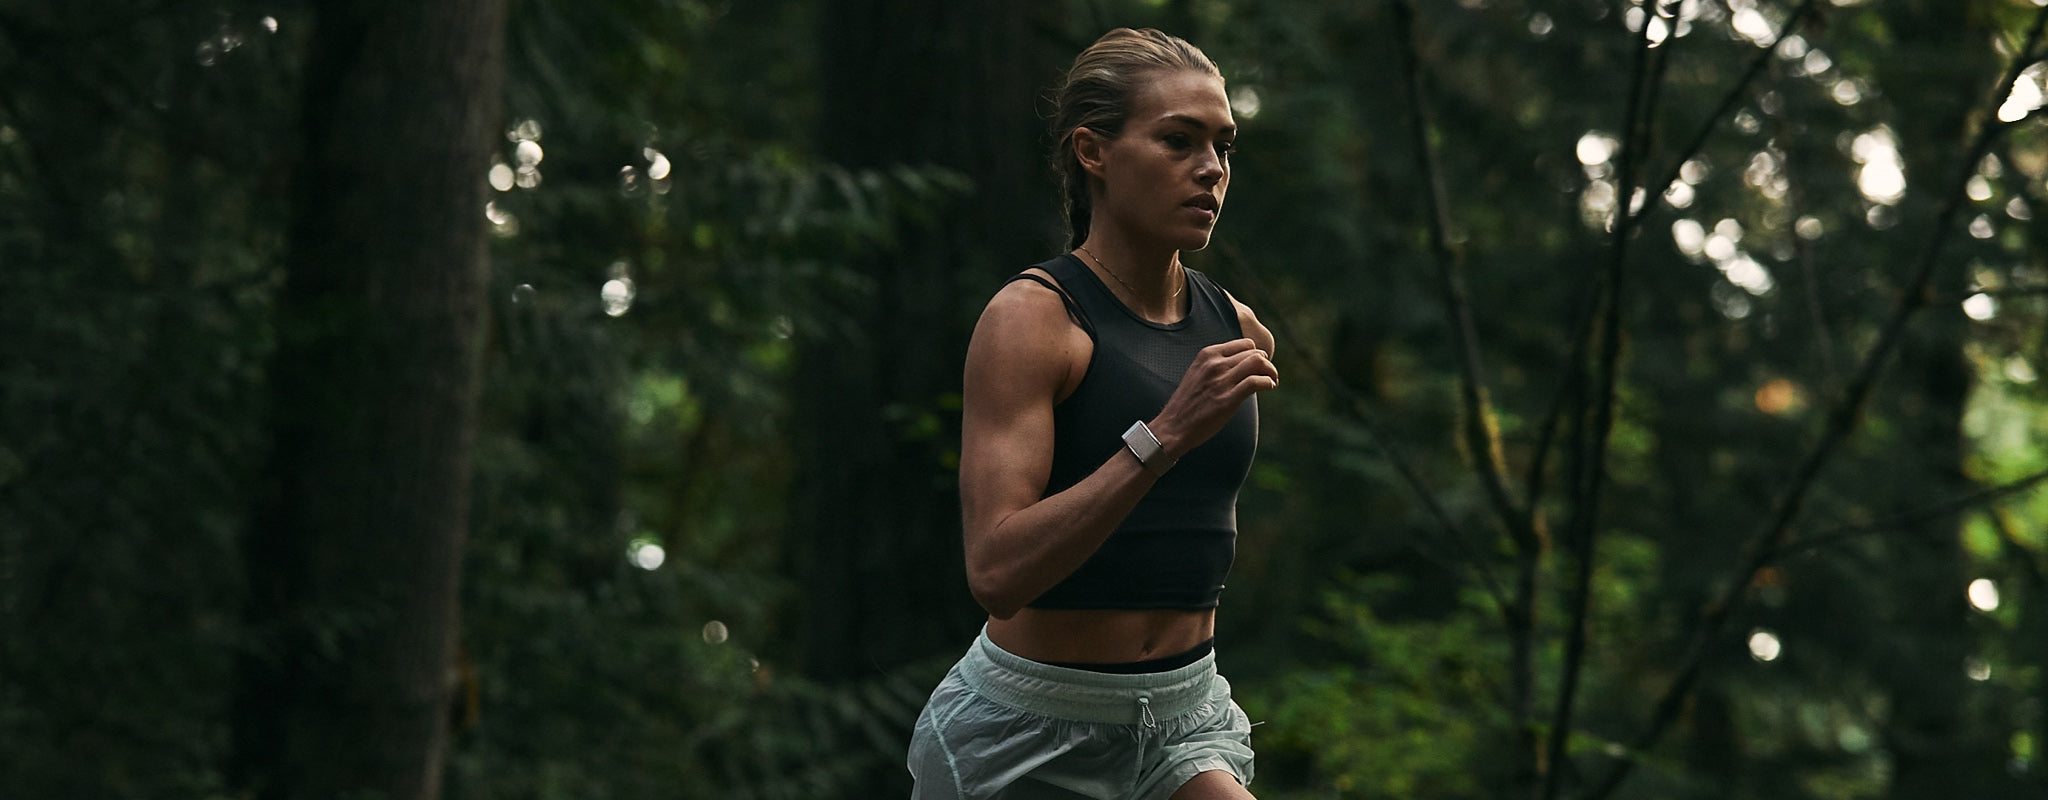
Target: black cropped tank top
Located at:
point(1175, 548)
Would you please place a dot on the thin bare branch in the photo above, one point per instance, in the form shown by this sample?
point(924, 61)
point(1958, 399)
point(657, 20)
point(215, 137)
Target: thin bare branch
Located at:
point(1479, 434)
point(1644, 81)
point(1819, 541)
point(1841, 422)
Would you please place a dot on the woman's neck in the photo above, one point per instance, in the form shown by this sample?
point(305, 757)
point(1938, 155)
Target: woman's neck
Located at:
point(1150, 281)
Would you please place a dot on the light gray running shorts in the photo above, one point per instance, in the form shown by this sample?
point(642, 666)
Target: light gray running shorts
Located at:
point(1002, 726)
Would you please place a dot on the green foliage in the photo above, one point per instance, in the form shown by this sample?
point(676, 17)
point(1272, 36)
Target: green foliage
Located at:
point(1396, 708)
point(134, 241)
point(627, 583)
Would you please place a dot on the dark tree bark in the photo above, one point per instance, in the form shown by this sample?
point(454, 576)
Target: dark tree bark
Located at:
point(1935, 748)
point(877, 532)
point(354, 562)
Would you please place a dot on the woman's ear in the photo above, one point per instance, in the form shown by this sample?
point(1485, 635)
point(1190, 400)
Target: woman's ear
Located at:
point(1088, 150)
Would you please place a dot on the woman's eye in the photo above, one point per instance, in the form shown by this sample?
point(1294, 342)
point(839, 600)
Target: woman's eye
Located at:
point(1178, 141)
point(1225, 149)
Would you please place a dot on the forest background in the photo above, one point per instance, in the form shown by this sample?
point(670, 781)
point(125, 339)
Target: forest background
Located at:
point(531, 399)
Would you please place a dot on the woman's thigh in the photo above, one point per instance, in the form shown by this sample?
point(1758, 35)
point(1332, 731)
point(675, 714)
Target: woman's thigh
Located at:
point(1215, 784)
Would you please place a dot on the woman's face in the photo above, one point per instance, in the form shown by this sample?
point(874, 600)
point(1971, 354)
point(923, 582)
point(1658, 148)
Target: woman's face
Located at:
point(1164, 177)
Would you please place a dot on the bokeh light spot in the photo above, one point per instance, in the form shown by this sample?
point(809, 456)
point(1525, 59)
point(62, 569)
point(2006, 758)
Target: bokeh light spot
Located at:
point(1779, 396)
point(1978, 188)
point(1980, 307)
point(1764, 645)
point(1690, 236)
point(646, 555)
point(617, 295)
point(1845, 92)
point(1595, 148)
point(1244, 101)
point(1743, 271)
point(1984, 594)
point(2025, 96)
point(501, 177)
point(2019, 371)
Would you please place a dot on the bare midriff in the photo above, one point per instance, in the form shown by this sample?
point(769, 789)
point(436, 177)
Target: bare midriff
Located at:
point(1102, 636)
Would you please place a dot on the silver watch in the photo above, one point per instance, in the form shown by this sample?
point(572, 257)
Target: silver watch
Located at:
point(1147, 448)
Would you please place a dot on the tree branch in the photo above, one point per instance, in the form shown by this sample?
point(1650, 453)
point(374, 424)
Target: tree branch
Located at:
point(1814, 542)
point(1478, 431)
point(1479, 434)
point(1644, 81)
point(1841, 423)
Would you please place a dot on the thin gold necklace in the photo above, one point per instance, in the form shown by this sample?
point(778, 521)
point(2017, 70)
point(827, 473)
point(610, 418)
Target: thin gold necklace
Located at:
point(1127, 287)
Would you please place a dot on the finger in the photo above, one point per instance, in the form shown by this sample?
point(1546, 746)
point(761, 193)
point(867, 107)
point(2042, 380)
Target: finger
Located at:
point(1251, 362)
point(1242, 383)
point(1231, 348)
point(1251, 385)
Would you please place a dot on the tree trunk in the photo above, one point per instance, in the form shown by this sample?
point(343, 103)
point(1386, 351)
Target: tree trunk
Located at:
point(877, 533)
point(354, 561)
point(1936, 750)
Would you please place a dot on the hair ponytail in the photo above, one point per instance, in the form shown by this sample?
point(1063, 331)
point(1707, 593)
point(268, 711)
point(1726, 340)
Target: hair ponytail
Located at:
point(1074, 200)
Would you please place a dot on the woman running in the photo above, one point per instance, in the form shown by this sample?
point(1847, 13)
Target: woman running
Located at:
point(1110, 416)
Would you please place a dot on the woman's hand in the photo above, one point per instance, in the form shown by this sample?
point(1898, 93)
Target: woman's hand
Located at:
point(1210, 392)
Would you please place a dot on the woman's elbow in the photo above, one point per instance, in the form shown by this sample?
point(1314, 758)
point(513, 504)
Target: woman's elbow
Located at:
point(993, 594)
point(1001, 611)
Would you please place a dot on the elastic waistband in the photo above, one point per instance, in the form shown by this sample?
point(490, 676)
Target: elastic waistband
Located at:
point(1161, 664)
point(1083, 695)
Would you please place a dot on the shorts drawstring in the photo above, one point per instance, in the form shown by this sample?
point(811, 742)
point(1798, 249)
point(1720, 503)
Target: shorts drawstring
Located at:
point(1145, 713)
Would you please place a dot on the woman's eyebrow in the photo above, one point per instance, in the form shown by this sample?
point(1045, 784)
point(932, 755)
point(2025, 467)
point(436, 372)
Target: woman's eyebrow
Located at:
point(1196, 122)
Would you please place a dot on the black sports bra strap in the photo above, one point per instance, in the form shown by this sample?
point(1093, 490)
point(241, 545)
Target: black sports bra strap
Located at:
point(1073, 311)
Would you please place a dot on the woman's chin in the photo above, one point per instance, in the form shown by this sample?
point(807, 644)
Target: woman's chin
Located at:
point(1193, 242)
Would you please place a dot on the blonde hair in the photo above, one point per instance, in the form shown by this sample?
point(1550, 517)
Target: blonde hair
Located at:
point(1096, 95)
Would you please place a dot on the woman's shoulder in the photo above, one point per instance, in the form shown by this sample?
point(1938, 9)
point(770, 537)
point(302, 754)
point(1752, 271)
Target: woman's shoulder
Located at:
point(1029, 305)
point(1030, 335)
point(1039, 295)
point(1247, 321)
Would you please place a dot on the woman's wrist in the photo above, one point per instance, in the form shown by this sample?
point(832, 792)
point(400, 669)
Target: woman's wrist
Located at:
point(1150, 452)
point(1169, 437)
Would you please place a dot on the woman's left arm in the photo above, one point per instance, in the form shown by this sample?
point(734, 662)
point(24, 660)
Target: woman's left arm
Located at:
point(1253, 329)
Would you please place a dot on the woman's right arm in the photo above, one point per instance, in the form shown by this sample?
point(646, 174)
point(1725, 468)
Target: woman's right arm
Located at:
point(1024, 353)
